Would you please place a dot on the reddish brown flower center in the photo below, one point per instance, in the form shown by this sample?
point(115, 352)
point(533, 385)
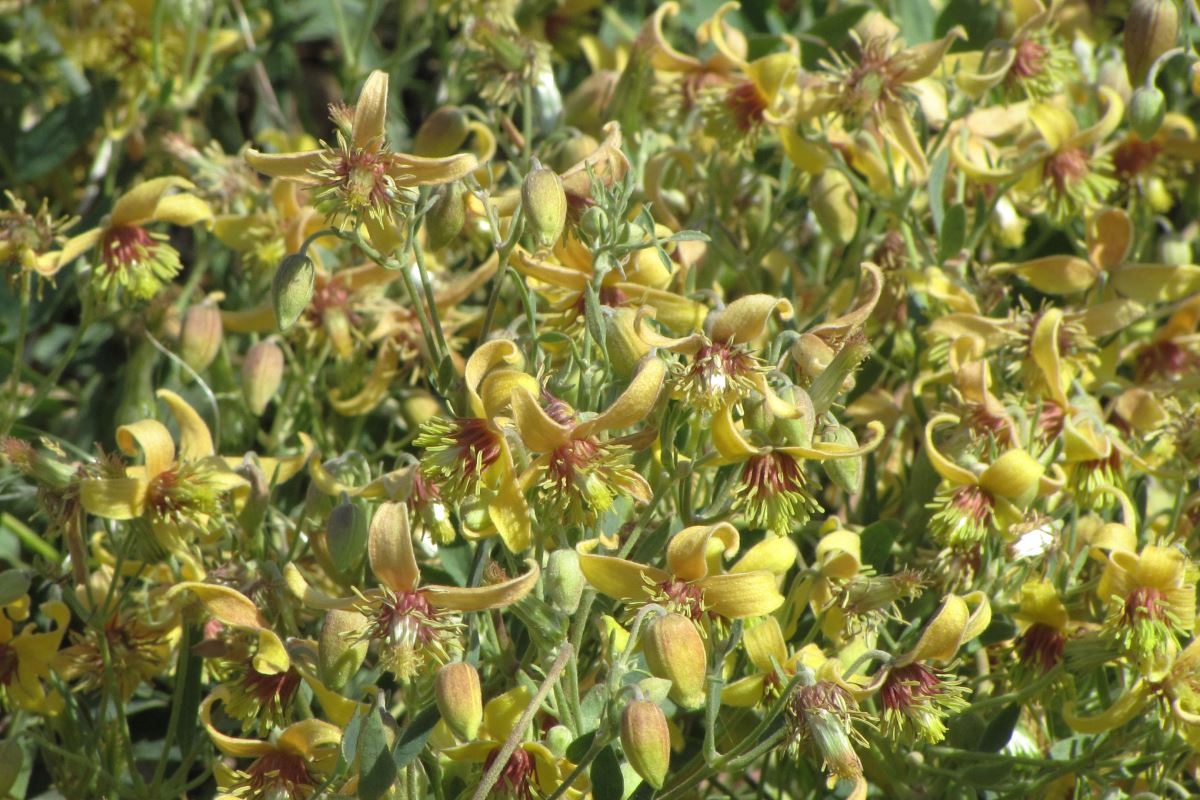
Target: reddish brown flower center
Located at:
point(515, 777)
point(1165, 359)
point(363, 174)
point(1041, 645)
point(974, 502)
point(904, 684)
point(331, 296)
point(747, 105)
point(1066, 167)
point(125, 245)
point(685, 598)
point(478, 445)
point(772, 473)
point(575, 455)
point(1133, 157)
point(8, 664)
point(1030, 59)
point(1051, 420)
point(423, 492)
point(282, 774)
point(271, 689)
point(1145, 603)
point(406, 615)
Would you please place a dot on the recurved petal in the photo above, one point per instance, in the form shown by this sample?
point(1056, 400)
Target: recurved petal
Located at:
point(138, 204)
point(308, 738)
point(690, 551)
point(486, 356)
point(231, 607)
point(764, 642)
point(539, 432)
point(635, 403)
point(154, 441)
point(1126, 708)
point(740, 595)
point(942, 636)
point(507, 510)
point(744, 693)
point(195, 441)
point(232, 746)
point(413, 170)
point(615, 577)
point(653, 41)
point(729, 440)
point(315, 598)
point(1045, 354)
point(920, 61)
point(775, 554)
point(77, 246)
point(113, 498)
point(182, 209)
point(481, 598)
point(952, 472)
point(745, 319)
point(370, 112)
point(390, 550)
point(297, 167)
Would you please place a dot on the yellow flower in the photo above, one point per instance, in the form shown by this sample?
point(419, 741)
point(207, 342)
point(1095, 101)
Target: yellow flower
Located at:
point(692, 584)
point(417, 626)
point(1152, 601)
point(579, 475)
point(361, 182)
point(773, 666)
point(176, 492)
point(532, 769)
point(1043, 620)
point(131, 258)
point(26, 657)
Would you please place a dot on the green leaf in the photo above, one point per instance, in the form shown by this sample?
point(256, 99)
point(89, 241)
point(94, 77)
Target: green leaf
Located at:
point(607, 780)
point(877, 539)
point(938, 167)
point(1001, 629)
point(13, 584)
point(979, 20)
point(954, 232)
point(376, 769)
point(1000, 729)
point(578, 748)
point(57, 136)
point(595, 318)
point(916, 19)
point(412, 741)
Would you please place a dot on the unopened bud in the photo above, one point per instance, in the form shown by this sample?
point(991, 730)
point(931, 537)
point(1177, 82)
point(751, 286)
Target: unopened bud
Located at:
point(346, 537)
point(441, 134)
point(341, 648)
point(418, 408)
point(625, 347)
point(445, 219)
point(200, 336)
point(545, 203)
point(1151, 29)
point(459, 698)
point(646, 741)
point(847, 473)
point(675, 651)
point(558, 739)
point(1147, 108)
point(835, 205)
point(564, 580)
point(819, 719)
point(262, 370)
point(292, 289)
point(593, 221)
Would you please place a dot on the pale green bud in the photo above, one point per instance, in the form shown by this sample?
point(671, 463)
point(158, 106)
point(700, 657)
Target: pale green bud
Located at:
point(646, 741)
point(545, 203)
point(200, 336)
point(292, 289)
point(262, 371)
point(341, 649)
point(459, 698)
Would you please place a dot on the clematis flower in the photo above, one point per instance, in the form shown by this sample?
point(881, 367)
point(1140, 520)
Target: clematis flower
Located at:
point(1034, 62)
point(133, 260)
point(294, 763)
point(1151, 598)
point(361, 181)
point(692, 584)
point(773, 666)
point(578, 475)
point(417, 626)
point(176, 491)
point(27, 656)
point(468, 458)
point(1043, 620)
point(532, 769)
point(30, 241)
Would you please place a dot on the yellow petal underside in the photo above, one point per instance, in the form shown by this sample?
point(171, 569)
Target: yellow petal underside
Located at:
point(114, 498)
point(764, 642)
point(370, 112)
point(137, 206)
point(410, 170)
point(390, 550)
point(538, 430)
point(615, 577)
point(486, 356)
point(634, 404)
point(775, 554)
point(299, 167)
point(481, 598)
point(740, 595)
point(689, 551)
point(195, 441)
point(745, 319)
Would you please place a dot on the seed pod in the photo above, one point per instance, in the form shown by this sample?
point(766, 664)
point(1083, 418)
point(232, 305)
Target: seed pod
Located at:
point(1151, 29)
point(200, 337)
point(441, 134)
point(459, 698)
point(845, 472)
point(262, 370)
point(564, 580)
point(545, 203)
point(835, 205)
point(675, 651)
point(1147, 108)
point(445, 219)
point(646, 741)
point(292, 289)
point(341, 649)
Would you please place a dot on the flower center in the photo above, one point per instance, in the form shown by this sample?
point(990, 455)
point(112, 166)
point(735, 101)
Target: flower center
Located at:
point(747, 105)
point(1042, 645)
point(514, 781)
point(1145, 603)
point(280, 775)
point(1133, 157)
point(683, 598)
point(903, 684)
point(1066, 167)
point(1165, 359)
point(1029, 61)
point(125, 245)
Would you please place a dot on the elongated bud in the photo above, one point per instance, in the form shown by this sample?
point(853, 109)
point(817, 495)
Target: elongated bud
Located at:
point(625, 347)
point(835, 205)
point(441, 134)
point(545, 203)
point(292, 289)
point(262, 370)
point(446, 218)
point(646, 741)
point(346, 536)
point(459, 698)
point(1147, 108)
point(341, 648)
point(564, 580)
point(200, 336)
point(1151, 29)
point(675, 651)
point(845, 472)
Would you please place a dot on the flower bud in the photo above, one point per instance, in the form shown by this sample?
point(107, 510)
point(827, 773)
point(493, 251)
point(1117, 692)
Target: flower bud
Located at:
point(625, 347)
point(441, 134)
point(835, 205)
point(564, 580)
point(262, 370)
point(545, 203)
point(292, 289)
point(1151, 29)
point(845, 472)
point(459, 698)
point(593, 221)
point(675, 651)
point(558, 739)
point(418, 408)
point(341, 649)
point(1146, 111)
point(646, 741)
point(446, 218)
point(200, 337)
point(346, 536)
